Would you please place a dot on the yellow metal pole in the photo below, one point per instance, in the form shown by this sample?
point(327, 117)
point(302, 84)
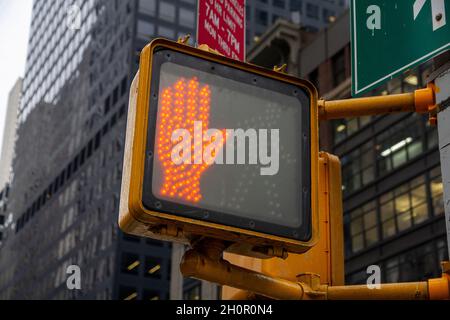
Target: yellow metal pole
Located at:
point(219, 271)
point(395, 291)
point(197, 265)
point(421, 101)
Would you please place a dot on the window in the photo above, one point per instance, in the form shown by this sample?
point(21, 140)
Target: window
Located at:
point(345, 127)
point(145, 30)
point(167, 11)
point(338, 62)
point(193, 293)
point(153, 267)
point(399, 144)
point(261, 17)
point(363, 227)
point(166, 32)
point(130, 263)
point(147, 6)
point(151, 295)
point(312, 11)
point(186, 18)
point(326, 15)
point(416, 264)
point(403, 207)
point(436, 188)
point(275, 18)
point(279, 3)
point(358, 168)
point(296, 5)
point(127, 293)
point(432, 135)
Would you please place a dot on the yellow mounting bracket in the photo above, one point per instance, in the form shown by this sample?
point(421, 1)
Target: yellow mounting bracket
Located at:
point(281, 69)
point(184, 39)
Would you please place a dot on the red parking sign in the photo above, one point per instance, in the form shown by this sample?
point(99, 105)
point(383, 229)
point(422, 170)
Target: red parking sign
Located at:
point(221, 25)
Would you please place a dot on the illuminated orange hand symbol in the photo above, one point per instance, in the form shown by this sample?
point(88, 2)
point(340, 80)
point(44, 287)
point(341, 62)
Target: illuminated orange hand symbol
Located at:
point(185, 106)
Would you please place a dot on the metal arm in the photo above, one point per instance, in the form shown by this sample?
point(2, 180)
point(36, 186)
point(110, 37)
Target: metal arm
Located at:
point(214, 269)
point(422, 101)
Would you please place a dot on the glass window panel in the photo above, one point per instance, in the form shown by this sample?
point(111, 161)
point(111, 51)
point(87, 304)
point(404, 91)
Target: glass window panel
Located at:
point(352, 126)
point(418, 195)
point(436, 187)
point(387, 211)
point(433, 140)
point(364, 120)
point(392, 270)
point(370, 220)
point(368, 175)
point(166, 32)
point(399, 158)
point(186, 18)
point(415, 149)
point(388, 228)
point(357, 243)
point(420, 213)
point(417, 181)
point(387, 196)
point(145, 29)
point(404, 221)
point(371, 236)
point(402, 203)
point(356, 226)
point(147, 6)
point(167, 11)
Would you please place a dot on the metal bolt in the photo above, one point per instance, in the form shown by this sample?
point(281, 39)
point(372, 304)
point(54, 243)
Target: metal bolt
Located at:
point(439, 17)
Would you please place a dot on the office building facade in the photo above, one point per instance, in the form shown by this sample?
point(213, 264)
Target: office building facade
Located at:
point(9, 133)
point(312, 15)
point(64, 196)
point(392, 187)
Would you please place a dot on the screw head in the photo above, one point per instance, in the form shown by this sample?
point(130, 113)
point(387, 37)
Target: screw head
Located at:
point(439, 17)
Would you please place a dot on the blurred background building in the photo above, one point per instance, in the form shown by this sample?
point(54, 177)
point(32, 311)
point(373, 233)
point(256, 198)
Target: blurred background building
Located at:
point(9, 133)
point(312, 15)
point(392, 188)
point(67, 172)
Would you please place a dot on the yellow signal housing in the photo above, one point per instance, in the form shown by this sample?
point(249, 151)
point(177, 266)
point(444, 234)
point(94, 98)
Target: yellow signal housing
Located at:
point(172, 222)
point(324, 262)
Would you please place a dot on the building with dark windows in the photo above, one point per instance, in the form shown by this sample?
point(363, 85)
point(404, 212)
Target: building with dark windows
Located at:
point(312, 15)
point(392, 187)
point(64, 197)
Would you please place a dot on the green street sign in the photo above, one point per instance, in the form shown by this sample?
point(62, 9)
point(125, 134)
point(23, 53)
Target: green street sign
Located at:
point(391, 36)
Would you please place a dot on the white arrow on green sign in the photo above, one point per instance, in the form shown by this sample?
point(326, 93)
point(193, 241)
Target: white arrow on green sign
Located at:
point(391, 36)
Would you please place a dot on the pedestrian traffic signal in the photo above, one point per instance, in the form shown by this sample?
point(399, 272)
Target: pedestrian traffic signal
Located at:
point(222, 149)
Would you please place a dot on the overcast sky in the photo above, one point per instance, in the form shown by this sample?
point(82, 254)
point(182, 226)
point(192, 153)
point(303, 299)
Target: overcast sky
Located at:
point(15, 18)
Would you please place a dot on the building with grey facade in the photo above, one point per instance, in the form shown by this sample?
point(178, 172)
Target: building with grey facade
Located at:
point(64, 196)
point(392, 185)
point(312, 15)
point(9, 133)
